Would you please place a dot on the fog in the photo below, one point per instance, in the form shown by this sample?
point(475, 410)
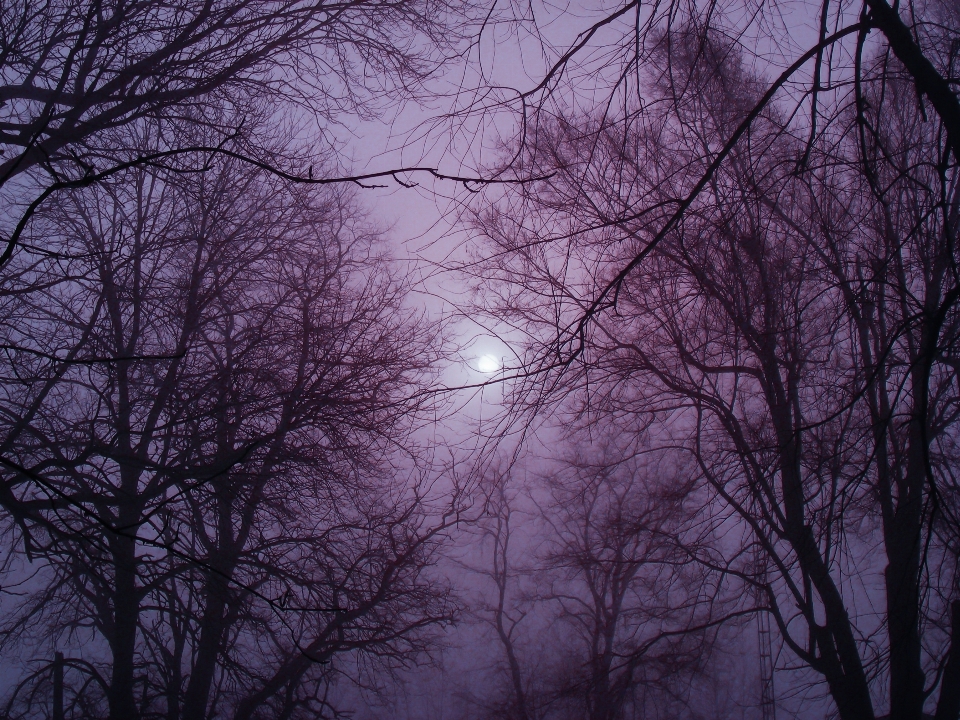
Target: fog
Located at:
point(467, 361)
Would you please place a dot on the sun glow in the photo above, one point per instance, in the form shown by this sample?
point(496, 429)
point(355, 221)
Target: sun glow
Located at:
point(488, 364)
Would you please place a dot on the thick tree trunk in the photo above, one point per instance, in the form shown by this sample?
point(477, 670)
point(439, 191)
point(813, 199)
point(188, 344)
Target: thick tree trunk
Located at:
point(902, 577)
point(124, 637)
point(211, 635)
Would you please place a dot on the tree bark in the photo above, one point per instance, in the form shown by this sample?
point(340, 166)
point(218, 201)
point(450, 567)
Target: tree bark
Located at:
point(125, 622)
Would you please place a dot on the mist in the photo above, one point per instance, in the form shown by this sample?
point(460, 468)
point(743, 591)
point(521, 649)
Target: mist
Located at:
point(458, 361)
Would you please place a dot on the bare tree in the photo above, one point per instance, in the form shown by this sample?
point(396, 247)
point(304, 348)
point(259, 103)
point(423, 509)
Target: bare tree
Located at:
point(606, 617)
point(525, 693)
point(809, 57)
point(76, 71)
point(211, 387)
point(792, 328)
point(635, 606)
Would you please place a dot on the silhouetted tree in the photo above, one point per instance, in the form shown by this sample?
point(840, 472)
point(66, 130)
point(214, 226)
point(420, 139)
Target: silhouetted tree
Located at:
point(633, 607)
point(598, 611)
point(74, 71)
point(524, 694)
point(791, 326)
point(211, 385)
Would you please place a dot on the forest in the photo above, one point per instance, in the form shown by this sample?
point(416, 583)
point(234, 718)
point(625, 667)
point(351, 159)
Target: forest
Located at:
point(480, 359)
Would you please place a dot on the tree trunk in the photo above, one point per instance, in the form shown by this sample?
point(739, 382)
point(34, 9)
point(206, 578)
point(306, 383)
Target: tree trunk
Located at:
point(211, 633)
point(903, 597)
point(124, 637)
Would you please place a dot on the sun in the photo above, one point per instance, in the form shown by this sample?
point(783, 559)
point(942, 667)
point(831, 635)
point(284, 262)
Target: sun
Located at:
point(488, 364)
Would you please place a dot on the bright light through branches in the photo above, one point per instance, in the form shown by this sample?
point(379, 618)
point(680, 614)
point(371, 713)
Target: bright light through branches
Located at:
point(488, 364)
